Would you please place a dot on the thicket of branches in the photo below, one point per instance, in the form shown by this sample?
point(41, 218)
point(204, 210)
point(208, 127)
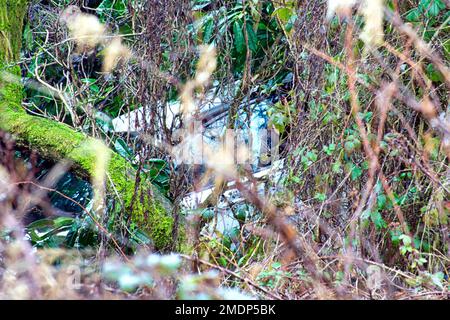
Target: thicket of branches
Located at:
point(357, 91)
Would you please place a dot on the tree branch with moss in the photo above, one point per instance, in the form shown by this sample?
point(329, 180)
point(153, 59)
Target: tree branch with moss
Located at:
point(144, 203)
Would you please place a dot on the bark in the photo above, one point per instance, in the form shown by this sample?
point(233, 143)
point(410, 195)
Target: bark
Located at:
point(149, 209)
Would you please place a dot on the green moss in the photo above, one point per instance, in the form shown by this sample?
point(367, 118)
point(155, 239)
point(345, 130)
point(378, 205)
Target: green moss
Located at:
point(184, 245)
point(12, 13)
point(52, 139)
point(10, 91)
point(149, 209)
point(153, 218)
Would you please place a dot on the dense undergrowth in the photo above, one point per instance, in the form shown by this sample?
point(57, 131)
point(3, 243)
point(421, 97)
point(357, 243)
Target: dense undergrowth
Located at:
point(356, 204)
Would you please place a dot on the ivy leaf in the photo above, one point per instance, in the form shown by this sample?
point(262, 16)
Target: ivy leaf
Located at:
point(104, 121)
point(122, 148)
point(405, 239)
point(311, 155)
point(28, 37)
point(395, 237)
point(276, 265)
point(436, 7)
point(296, 179)
point(336, 167)
point(413, 15)
point(381, 201)
point(283, 13)
point(252, 38)
point(356, 172)
point(320, 197)
point(378, 220)
point(329, 149)
point(433, 74)
point(114, 8)
point(208, 30)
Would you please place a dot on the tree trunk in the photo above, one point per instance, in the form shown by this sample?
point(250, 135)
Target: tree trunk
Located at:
point(149, 209)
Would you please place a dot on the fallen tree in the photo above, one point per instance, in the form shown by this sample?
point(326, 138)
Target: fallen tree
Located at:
point(143, 202)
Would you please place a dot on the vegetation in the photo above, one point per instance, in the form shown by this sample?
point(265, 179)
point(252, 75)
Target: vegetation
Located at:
point(198, 149)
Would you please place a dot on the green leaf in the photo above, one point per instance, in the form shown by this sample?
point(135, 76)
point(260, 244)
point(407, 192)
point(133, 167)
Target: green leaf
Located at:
point(141, 237)
point(104, 121)
point(208, 214)
point(63, 221)
point(311, 155)
point(122, 148)
point(437, 279)
point(329, 149)
point(200, 5)
point(157, 163)
point(42, 223)
point(88, 80)
point(208, 31)
point(321, 197)
point(435, 7)
point(405, 239)
point(241, 214)
point(222, 261)
point(28, 37)
point(381, 201)
point(276, 265)
point(356, 172)
point(336, 167)
point(112, 8)
point(296, 179)
point(349, 146)
point(395, 237)
point(291, 23)
point(239, 41)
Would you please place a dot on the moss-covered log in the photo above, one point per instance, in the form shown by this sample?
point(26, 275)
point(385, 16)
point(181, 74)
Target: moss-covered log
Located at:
point(57, 141)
